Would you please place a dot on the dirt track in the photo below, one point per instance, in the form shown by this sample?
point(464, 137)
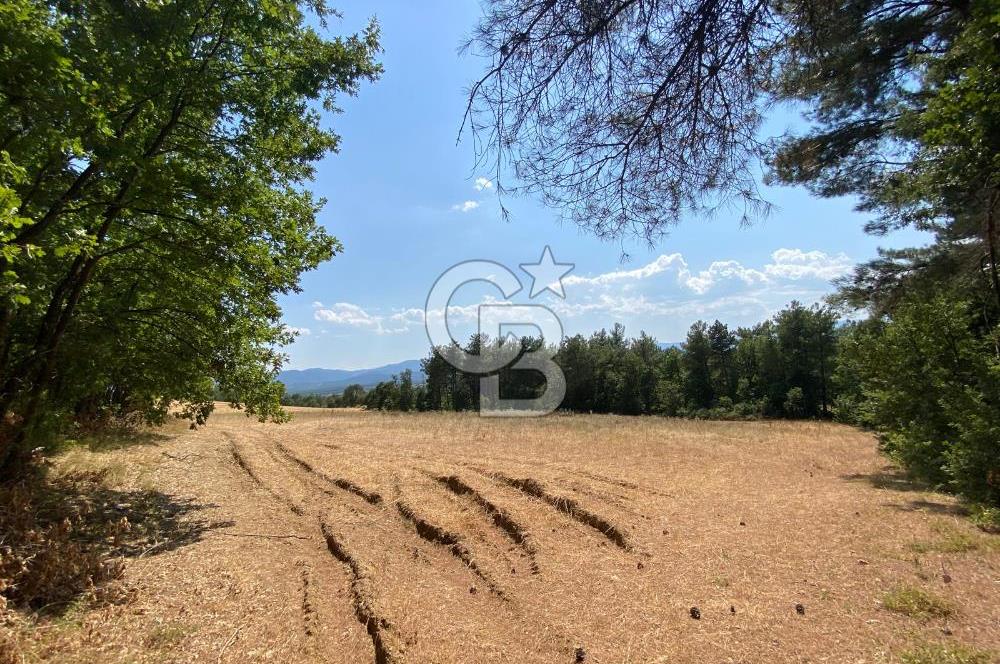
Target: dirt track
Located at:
point(356, 537)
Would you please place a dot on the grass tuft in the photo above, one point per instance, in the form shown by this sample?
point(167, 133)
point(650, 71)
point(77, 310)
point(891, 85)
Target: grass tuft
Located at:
point(950, 540)
point(916, 603)
point(167, 635)
point(945, 653)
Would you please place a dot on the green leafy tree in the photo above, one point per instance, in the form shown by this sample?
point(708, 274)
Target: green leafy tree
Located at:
point(407, 397)
point(353, 395)
point(152, 189)
point(722, 343)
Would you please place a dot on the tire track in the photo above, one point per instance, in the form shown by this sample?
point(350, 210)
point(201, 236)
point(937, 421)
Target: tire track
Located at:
point(387, 649)
point(309, 616)
point(399, 559)
point(616, 482)
point(568, 506)
point(607, 480)
point(371, 497)
point(243, 462)
point(513, 530)
point(425, 529)
point(612, 500)
point(435, 534)
point(266, 469)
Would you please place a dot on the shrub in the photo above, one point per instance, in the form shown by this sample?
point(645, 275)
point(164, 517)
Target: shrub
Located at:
point(986, 517)
point(933, 387)
point(795, 403)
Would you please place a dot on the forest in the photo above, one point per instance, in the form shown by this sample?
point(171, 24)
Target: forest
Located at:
point(785, 367)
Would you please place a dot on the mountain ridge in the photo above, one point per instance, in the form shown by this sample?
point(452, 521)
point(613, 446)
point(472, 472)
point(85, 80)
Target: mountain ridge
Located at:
point(317, 380)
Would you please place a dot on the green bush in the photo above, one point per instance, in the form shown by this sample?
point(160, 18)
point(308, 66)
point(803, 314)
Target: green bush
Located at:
point(932, 382)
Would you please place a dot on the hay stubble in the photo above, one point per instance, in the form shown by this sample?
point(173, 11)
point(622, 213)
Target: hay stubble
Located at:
point(452, 538)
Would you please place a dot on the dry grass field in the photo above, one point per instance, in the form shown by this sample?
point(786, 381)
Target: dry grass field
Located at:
point(348, 536)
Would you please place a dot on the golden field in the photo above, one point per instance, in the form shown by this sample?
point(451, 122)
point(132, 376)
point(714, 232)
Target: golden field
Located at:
point(348, 536)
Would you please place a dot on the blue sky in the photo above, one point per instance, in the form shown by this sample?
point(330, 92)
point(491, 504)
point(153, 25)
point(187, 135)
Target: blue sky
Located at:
point(407, 203)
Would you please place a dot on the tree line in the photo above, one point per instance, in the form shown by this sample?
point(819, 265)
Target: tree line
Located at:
point(785, 367)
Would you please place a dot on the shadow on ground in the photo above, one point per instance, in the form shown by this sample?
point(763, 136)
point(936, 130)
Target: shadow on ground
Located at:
point(120, 439)
point(943, 507)
point(888, 477)
point(157, 522)
point(894, 479)
point(64, 536)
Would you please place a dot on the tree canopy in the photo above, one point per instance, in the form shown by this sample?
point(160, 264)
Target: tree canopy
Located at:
point(625, 113)
point(154, 159)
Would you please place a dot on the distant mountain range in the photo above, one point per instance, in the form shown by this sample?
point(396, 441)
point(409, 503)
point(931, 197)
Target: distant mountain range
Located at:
point(333, 381)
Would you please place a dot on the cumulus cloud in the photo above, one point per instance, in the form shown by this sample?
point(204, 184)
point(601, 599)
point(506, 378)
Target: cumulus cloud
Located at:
point(299, 331)
point(718, 271)
point(482, 184)
point(352, 315)
point(466, 206)
point(785, 265)
point(397, 322)
point(410, 316)
point(753, 305)
point(345, 313)
point(797, 264)
point(661, 264)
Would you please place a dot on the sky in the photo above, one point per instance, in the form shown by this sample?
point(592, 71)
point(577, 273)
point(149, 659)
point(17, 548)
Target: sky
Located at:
point(407, 202)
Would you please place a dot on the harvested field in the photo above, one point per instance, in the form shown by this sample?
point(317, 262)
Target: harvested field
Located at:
point(348, 536)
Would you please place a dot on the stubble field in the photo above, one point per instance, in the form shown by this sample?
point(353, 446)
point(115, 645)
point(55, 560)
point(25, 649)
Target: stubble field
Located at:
point(348, 536)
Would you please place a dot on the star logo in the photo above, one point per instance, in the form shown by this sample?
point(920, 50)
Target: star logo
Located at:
point(547, 274)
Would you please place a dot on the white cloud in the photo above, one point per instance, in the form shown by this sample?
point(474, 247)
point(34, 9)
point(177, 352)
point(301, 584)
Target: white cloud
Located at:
point(352, 315)
point(467, 206)
point(398, 322)
point(483, 183)
point(755, 306)
point(410, 316)
point(798, 264)
point(661, 264)
point(785, 265)
point(718, 271)
point(346, 313)
point(666, 291)
point(300, 331)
